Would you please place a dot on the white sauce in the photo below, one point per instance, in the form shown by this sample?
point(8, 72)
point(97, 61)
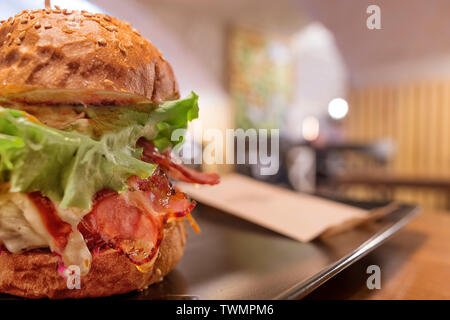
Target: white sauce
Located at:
point(22, 229)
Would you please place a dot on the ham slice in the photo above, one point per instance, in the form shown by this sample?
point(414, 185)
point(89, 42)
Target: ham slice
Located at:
point(56, 227)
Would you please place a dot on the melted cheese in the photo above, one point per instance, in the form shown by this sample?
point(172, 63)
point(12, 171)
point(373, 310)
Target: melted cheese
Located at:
point(22, 228)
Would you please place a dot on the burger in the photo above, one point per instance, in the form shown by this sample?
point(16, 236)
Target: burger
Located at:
point(88, 111)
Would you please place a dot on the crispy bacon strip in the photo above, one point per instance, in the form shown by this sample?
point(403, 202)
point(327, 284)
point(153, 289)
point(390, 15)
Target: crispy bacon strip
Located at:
point(124, 226)
point(176, 171)
point(134, 220)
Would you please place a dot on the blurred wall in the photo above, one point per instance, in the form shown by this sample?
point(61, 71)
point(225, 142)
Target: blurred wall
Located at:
point(412, 44)
point(416, 116)
point(10, 8)
point(399, 84)
point(321, 75)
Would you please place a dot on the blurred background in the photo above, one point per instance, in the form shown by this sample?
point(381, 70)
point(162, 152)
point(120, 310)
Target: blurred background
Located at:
point(363, 114)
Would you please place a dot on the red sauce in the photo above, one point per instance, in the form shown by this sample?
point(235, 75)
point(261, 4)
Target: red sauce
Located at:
point(58, 229)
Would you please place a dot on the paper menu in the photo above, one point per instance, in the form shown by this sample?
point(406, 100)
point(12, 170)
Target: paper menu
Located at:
point(299, 216)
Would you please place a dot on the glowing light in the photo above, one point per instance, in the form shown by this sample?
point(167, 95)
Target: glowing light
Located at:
point(310, 128)
point(338, 108)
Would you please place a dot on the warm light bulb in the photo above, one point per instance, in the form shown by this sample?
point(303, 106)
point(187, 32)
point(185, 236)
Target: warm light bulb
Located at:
point(338, 108)
point(310, 128)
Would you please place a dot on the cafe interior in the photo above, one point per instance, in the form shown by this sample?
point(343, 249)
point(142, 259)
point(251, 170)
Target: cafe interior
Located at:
point(359, 92)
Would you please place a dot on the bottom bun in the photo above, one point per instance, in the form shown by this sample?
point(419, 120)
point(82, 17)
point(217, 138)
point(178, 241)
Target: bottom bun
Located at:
point(35, 274)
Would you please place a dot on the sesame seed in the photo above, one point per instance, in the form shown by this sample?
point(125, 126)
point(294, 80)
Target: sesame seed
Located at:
point(88, 15)
point(122, 48)
point(67, 12)
point(17, 41)
point(136, 31)
point(47, 26)
point(9, 35)
point(22, 35)
point(111, 28)
point(107, 18)
point(102, 42)
point(66, 30)
point(24, 21)
point(57, 8)
point(32, 17)
point(108, 82)
point(37, 25)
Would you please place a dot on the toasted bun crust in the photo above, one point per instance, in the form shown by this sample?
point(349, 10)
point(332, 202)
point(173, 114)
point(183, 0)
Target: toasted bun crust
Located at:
point(69, 57)
point(34, 274)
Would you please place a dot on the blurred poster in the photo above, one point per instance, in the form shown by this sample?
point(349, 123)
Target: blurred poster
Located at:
point(261, 76)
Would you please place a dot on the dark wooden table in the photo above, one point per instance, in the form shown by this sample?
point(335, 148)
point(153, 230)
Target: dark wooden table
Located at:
point(388, 183)
point(415, 264)
point(383, 179)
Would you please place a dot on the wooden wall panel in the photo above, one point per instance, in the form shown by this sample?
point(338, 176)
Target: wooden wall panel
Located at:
point(416, 117)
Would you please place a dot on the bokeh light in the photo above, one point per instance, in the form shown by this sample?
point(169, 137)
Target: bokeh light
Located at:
point(338, 108)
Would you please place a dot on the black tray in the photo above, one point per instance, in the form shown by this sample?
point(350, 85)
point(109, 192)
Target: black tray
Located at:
point(234, 259)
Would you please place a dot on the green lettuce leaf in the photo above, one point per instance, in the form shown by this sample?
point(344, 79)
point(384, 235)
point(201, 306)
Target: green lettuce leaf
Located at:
point(70, 167)
point(159, 123)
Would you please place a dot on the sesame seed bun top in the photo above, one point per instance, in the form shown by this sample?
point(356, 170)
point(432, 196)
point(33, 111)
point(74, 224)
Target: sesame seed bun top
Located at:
point(56, 56)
